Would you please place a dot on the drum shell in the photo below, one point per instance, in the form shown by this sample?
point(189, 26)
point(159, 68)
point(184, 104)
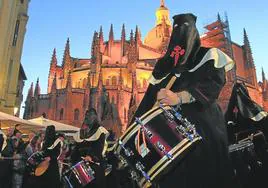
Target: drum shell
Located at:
point(79, 175)
point(159, 123)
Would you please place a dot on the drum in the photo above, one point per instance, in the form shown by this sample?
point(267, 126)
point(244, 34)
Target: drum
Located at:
point(78, 175)
point(155, 142)
point(37, 164)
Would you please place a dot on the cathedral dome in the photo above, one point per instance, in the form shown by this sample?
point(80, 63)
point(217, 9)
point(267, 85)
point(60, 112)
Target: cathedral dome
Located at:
point(158, 37)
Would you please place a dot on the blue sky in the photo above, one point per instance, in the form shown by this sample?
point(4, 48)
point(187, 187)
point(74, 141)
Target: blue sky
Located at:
point(51, 22)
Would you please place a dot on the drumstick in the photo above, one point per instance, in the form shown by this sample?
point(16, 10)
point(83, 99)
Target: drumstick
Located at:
point(91, 161)
point(169, 85)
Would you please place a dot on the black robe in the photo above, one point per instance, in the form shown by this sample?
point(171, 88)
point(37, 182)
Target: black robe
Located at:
point(208, 165)
point(94, 150)
point(51, 178)
point(241, 115)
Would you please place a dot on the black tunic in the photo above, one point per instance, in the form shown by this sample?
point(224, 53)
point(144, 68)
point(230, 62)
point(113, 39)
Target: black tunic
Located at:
point(93, 149)
point(51, 178)
point(207, 166)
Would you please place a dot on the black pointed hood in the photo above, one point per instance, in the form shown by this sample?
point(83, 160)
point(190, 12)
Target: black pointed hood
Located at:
point(183, 47)
point(247, 108)
point(90, 124)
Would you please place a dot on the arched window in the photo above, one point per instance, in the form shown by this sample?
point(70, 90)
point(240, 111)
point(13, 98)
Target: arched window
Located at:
point(107, 82)
point(16, 33)
point(76, 114)
point(114, 80)
point(61, 114)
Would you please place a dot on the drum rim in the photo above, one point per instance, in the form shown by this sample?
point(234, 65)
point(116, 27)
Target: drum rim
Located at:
point(142, 118)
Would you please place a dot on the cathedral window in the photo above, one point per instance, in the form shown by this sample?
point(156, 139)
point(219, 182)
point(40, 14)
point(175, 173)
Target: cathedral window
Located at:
point(107, 82)
point(61, 114)
point(125, 114)
point(76, 114)
point(114, 80)
point(16, 33)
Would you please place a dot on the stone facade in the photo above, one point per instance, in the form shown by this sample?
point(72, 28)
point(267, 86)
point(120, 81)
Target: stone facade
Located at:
point(13, 20)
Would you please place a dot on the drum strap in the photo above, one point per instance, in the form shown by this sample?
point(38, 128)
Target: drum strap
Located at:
point(156, 140)
point(138, 140)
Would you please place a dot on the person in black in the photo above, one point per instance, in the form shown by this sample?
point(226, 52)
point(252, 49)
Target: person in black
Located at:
point(244, 115)
point(200, 76)
point(50, 150)
point(247, 121)
point(90, 146)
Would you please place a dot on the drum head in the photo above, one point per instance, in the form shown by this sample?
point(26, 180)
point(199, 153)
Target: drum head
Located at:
point(41, 168)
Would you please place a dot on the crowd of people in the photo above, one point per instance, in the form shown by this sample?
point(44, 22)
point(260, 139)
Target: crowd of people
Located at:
point(16, 150)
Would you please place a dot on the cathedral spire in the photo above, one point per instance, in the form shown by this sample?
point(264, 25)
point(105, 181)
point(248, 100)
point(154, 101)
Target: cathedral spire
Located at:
point(123, 40)
point(53, 62)
point(54, 84)
point(162, 14)
point(248, 52)
point(131, 37)
point(162, 3)
point(101, 35)
point(67, 61)
point(137, 35)
point(66, 55)
point(263, 74)
point(264, 82)
point(93, 46)
point(30, 92)
point(123, 33)
point(219, 17)
point(111, 33)
point(37, 88)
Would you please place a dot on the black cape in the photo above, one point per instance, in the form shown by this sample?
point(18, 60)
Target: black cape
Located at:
point(208, 164)
point(93, 149)
point(243, 115)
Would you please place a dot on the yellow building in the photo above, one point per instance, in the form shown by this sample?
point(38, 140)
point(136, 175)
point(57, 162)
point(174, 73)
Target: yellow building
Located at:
point(13, 20)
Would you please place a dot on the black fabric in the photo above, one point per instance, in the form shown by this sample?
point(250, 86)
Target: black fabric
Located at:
point(50, 136)
point(94, 150)
point(241, 109)
point(90, 124)
point(1, 142)
point(246, 106)
point(208, 165)
point(51, 178)
point(183, 47)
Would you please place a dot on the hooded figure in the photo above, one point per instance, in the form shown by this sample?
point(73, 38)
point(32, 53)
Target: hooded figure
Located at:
point(91, 143)
point(182, 49)
point(50, 151)
point(243, 114)
point(90, 124)
point(200, 76)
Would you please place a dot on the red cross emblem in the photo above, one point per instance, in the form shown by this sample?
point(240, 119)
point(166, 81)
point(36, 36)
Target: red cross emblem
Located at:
point(177, 52)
